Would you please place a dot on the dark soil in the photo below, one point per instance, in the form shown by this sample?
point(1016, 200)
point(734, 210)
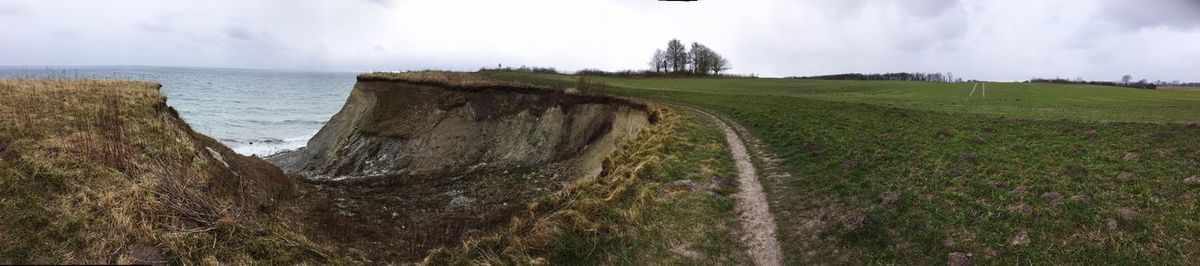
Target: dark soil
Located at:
point(1052, 197)
point(1127, 214)
point(1125, 177)
point(1019, 209)
point(854, 221)
point(890, 198)
point(399, 219)
point(1076, 170)
point(1132, 156)
point(959, 259)
point(1085, 199)
point(995, 183)
point(1020, 191)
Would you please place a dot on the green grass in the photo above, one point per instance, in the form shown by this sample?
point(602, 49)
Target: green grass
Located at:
point(846, 142)
point(1025, 100)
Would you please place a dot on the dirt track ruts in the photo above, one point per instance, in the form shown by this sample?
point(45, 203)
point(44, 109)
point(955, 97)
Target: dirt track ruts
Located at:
point(758, 225)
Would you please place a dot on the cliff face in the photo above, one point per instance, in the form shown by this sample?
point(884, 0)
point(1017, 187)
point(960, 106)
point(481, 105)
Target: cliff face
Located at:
point(406, 127)
point(418, 161)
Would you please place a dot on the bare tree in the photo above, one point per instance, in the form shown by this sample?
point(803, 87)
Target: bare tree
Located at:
point(659, 61)
point(705, 61)
point(719, 63)
point(677, 59)
point(1126, 78)
point(701, 58)
point(677, 56)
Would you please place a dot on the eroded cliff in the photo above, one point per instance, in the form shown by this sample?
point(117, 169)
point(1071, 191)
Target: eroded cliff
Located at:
point(442, 124)
point(421, 160)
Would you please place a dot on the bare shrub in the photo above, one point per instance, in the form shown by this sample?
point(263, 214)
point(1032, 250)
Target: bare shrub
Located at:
point(189, 205)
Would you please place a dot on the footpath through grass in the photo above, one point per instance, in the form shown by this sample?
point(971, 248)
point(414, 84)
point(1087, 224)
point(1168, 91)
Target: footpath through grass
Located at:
point(1052, 189)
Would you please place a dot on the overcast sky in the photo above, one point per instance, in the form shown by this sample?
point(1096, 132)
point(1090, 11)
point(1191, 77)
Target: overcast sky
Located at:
point(983, 39)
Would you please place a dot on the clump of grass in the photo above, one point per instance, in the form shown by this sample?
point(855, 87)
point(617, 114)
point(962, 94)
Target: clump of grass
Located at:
point(103, 171)
point(628, 214)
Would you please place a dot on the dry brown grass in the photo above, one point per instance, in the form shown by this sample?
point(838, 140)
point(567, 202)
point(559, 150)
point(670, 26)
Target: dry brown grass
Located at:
point(611, 219)
point(96, 169)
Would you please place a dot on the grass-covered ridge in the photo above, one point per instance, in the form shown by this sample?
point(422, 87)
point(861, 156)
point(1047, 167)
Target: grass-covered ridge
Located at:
point(103, 171)
point(1023, 100)
point(1024, 181)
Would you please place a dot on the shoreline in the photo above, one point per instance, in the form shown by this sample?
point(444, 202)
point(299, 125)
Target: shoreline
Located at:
point(270, 149)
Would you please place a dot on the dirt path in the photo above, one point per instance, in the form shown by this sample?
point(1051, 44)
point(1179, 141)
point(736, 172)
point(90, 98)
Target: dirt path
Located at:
point(758, 225)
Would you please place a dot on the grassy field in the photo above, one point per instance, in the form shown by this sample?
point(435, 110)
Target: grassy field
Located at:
point(1024, 100)
point(1024, 176)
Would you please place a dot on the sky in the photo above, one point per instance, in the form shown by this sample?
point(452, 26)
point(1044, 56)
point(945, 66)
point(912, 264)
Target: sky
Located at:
point(975, 39)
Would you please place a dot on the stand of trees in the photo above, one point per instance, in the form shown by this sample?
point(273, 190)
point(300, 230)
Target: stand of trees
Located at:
point(545, 70)
point(902, 76)
point(1126, 81)
point(678, 60)
point(1137, 85)
point(1176, 83)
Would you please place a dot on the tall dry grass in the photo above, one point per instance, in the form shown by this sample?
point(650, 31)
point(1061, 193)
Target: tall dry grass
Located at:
point(612, 203)
point(98, 169)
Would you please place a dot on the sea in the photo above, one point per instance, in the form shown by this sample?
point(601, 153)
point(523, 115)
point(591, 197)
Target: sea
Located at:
point(254, 112)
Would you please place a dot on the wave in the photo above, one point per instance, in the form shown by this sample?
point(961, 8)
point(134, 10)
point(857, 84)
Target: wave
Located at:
point(270, 146)
point(286, 122)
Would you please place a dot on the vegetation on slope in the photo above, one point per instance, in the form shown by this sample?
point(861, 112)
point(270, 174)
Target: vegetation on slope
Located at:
point(102, 171)
point(1003, 190)
point(664, 198)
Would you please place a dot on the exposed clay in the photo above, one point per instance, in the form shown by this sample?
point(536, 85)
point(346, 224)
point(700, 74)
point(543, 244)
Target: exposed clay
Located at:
point(415, 162)
point(397, 128)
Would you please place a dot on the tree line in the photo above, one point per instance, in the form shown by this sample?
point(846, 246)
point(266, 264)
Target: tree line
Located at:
point(1126, 81)
point(1142, 84)
point(544, 70)
point(900, 76)
point(678, 60)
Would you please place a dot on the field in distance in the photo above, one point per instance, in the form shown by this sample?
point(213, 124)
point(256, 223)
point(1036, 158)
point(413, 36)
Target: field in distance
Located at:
point(1026, 174)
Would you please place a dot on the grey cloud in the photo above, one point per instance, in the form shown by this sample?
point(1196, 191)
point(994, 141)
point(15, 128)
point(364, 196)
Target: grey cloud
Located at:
point(927, 9)
point(914, 9)
point(986, 39)
point(1131, 14)
point(942, 32)
point(11, 10)
point(238, 32)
